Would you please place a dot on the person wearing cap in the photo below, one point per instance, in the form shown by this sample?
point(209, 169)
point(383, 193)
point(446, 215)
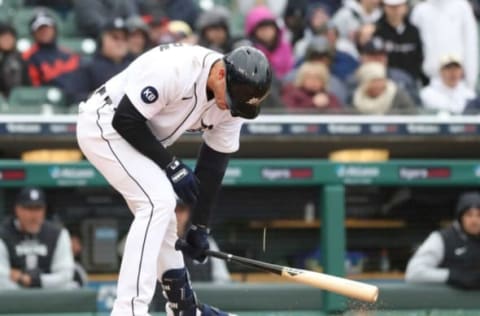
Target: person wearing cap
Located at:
point(110, 58)
point(374, 51)
point(48, 63)
point(214, 31)
point(125, 129)
point(138, 36)
point(13, 69)
point(183, 10)
point(319, 50)
point(376, 94)
point(447, 27)
point(93, 15)
point(451, 255)
point(355, 13)
point(450, 92)
point(400, 38)
point(34, 252)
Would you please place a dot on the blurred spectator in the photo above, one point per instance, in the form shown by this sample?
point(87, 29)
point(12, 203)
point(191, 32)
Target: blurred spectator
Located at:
point(319, 50)
point(80, 276)
point(184, 10)
point(318, 18)
point(310, 89)
point(266, 35)
point(111, 58)
point(182, 32)
point(159, 32)
point(294, 16)
point(374, 51)
point(449, 93)
point(400, 38)
point(213, 30)
point(364, 34)
point(48, 64)
point(34, 252)
point(274, 6)
point(378, 95)
point(62, 7)
point(138, 36)
point(355, 13)
point(214, 270)
point(447, 27)
point(93, 15)
point(451, 255)
point(13, 70)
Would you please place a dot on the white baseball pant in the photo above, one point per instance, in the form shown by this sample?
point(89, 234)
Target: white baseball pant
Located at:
point(150, 244)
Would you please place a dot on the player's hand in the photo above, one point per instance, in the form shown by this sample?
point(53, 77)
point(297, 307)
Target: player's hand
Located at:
point(183, 180)
point(15, 275)
point(195, 243)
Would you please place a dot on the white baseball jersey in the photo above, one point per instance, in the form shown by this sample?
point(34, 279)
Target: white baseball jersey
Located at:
point(167, 85)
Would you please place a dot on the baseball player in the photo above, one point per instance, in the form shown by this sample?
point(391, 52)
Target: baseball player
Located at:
point(124, 130)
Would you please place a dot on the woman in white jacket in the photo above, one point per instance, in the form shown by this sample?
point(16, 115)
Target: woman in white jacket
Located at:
point(355, 13)
point(449, 92)
point(447, 26)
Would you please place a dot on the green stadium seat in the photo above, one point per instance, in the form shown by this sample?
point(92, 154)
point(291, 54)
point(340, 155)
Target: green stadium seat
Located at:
point(15, 4)
point(81, 46)
point(36, 100)
point(69, 26)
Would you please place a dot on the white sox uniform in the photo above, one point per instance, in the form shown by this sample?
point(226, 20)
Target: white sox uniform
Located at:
point(167, 85)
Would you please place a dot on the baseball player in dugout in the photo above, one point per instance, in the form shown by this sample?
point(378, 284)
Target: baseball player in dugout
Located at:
point(451, 255)
point(34, 252)
point(125, 128)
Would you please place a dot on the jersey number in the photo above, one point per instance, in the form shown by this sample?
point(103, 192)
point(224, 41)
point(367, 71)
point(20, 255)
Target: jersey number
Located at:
point(167, 46)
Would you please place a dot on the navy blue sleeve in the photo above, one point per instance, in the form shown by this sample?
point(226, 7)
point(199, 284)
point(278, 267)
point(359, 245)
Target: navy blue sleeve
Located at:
point(210, 169)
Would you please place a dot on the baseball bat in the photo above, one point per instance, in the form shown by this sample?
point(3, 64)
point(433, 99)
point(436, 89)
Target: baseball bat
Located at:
point(353, 289)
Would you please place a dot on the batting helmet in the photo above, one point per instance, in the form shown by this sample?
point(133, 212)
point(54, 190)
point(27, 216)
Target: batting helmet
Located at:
point(249, 77)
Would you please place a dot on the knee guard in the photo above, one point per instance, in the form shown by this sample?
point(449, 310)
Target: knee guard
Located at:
point(178, 291)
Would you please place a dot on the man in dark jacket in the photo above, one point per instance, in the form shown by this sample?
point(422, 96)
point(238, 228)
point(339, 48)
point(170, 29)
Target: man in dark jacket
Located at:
point(13, 70)
point(451, 255)
point(33, 251)
point(111, 58)
point(400, 38)
point(49, 64)
point(93, 15)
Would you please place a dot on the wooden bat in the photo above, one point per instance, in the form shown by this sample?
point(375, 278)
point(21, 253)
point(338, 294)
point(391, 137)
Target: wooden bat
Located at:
point(353, 289)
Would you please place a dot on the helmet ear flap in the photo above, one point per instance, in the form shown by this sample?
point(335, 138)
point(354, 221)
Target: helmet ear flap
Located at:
point(248, 79)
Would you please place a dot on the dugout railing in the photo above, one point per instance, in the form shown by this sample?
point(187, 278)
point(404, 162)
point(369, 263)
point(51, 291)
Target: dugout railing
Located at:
point(330, 178)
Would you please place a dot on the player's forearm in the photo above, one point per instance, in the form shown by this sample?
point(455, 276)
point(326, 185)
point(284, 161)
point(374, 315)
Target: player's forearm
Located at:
point(59, 279)
point(131, 125)
point(210, 169)
point(63, 265)
point(5, 281)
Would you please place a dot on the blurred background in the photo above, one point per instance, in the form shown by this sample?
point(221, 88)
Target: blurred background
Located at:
point(364, 162)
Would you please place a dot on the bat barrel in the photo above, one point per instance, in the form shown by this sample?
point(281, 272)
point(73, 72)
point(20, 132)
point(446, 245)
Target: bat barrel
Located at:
point(353, 289)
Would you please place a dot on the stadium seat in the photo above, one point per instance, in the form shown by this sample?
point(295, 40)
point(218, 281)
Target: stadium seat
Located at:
point(81, 46)
point(36, 100)
point(69, 26)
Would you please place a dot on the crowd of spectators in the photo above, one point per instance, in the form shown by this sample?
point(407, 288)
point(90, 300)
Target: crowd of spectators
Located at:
point(350, 56)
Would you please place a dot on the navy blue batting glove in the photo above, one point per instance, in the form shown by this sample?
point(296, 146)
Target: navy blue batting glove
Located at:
point(183, 180)
point(195, 243)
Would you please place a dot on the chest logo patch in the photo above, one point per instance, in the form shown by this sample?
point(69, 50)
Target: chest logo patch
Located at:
point(149, 94)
